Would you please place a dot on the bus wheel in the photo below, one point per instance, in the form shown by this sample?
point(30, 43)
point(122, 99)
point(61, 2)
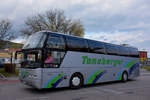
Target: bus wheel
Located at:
point(125, 77)
point(76, 81)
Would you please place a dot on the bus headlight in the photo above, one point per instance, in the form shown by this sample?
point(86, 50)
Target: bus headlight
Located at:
point(32, 76)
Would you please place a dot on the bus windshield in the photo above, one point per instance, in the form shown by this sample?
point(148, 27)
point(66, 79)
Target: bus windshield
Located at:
point(31, 59)
point(35, 41)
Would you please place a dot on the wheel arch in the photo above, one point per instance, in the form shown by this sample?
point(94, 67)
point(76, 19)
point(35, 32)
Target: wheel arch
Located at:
point(125, 71)
point(78, 73)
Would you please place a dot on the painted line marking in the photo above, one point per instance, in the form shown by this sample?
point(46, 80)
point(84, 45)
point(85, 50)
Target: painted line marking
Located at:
point(133, 88)
point(100, 90)
point(10, 81)
point(88, 92)
point(112, 91)
point(33, 98)
point(109, 90)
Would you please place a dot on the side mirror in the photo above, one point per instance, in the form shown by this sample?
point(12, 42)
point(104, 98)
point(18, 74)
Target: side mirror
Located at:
point(16, 54)
point(17, 57)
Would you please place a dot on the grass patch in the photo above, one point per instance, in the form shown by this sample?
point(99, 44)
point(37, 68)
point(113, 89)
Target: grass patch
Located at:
point(146, 67)
point(6, 74)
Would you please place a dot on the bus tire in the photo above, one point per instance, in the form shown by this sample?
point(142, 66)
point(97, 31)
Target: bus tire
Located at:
point(76, 81)
point(124, 76)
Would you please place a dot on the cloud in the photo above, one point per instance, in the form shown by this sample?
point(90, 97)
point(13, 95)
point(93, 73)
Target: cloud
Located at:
point(137, 39)
point(117, 21)
point(96, 15)
point(111, 15)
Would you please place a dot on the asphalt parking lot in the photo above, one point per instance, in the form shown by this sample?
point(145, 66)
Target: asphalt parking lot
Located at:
point(138, 89)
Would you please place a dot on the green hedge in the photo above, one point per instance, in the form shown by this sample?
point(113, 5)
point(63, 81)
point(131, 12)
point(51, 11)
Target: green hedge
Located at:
point(6, 74)
point(146, 67)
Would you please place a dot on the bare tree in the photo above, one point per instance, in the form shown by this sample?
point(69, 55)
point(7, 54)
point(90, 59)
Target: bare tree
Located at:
point(76, 28)
point(53, 20)
point(5, 30)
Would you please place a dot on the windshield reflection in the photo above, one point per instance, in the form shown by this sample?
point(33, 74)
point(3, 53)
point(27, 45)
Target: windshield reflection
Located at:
point(31, 59)
point(35, 41)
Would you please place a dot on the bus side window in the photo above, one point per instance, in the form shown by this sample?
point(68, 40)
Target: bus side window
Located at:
point(53, 59)
point(133, 52)
point(55, 42)
point(96, 47)
point(76, 44)
point(111, 49)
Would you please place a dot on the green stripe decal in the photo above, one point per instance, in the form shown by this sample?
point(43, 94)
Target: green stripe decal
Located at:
point(54, 80)
point(119, 76)
point(93, 76)
point(24, 74)
point(130, 64)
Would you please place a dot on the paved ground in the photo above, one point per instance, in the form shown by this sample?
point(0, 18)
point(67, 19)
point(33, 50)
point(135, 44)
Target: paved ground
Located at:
point(138, 89)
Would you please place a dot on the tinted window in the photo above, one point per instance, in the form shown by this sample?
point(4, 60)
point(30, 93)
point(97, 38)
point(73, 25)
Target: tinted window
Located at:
point(53, 59)
point(76, 44)
point(124, 51)
point(111, 49)
point(133, 52)
point(96, 47)
point(31, 59)
point(55, 42)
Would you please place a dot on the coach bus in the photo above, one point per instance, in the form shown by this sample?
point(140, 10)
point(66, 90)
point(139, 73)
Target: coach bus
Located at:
point(52, 60)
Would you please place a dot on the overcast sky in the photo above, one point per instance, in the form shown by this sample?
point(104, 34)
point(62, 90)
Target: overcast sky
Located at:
point(115, 21)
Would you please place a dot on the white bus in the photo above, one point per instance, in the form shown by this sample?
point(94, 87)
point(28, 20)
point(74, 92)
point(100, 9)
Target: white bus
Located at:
point(74, 61)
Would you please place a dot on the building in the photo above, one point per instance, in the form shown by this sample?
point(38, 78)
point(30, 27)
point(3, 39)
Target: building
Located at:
point(7, 54)
point(143, 57)
point(4, 54)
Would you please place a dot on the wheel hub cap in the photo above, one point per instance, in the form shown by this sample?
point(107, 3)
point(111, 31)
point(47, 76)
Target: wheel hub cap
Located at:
point(76, 81)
